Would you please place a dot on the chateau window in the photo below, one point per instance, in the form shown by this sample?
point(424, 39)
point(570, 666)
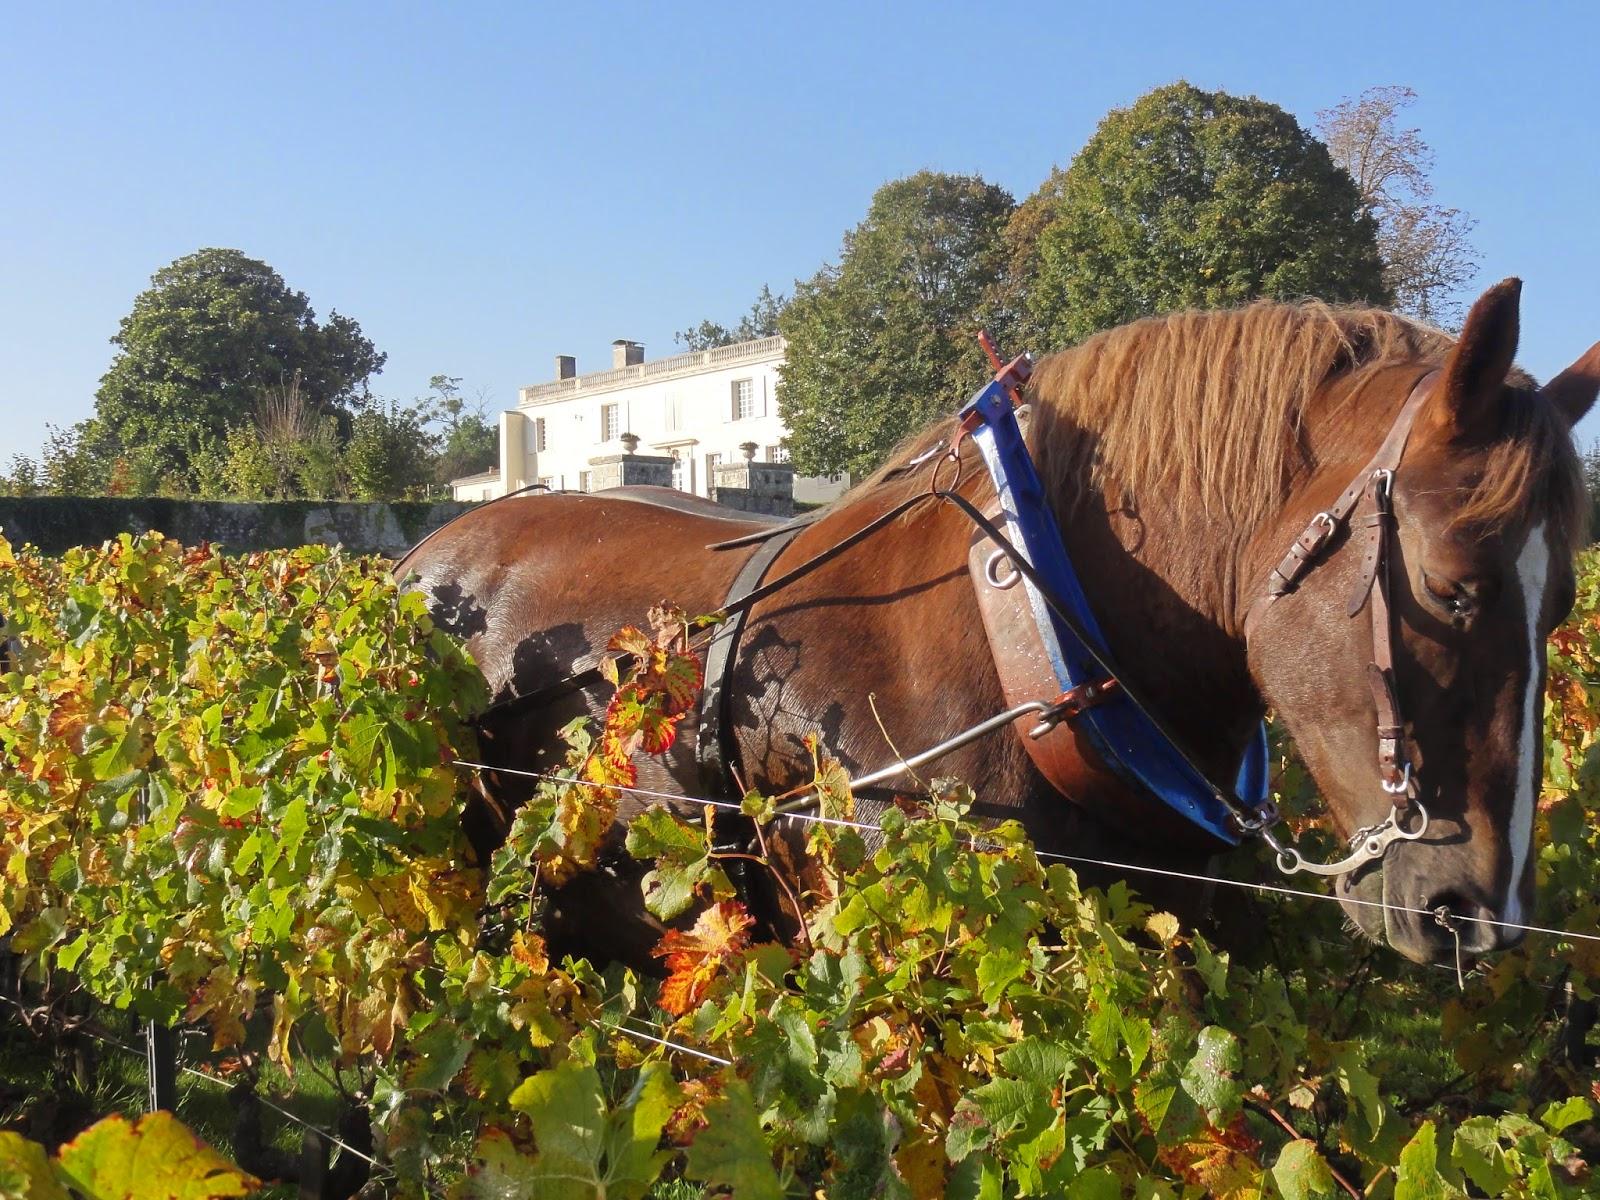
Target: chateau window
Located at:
point(777, 454)
point(746, 401)
point(610, 422)
point(674, 409)
point(538, 435)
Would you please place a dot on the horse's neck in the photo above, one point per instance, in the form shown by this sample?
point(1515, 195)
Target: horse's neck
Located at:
point(1172, 591)
point(1163, 592)
point(1159, 592)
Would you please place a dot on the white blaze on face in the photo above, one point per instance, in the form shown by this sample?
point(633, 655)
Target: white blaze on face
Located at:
point(1533, 570)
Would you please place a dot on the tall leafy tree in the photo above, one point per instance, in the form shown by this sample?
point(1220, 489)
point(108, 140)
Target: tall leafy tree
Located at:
point(760, 322)
point(1427, 248)
point(468, 441)
point(1191, 199)
point(389, 454)
point(214, 332)
point(885, 340)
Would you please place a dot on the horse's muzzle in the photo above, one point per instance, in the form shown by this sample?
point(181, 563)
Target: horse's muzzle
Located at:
point(1445, 924)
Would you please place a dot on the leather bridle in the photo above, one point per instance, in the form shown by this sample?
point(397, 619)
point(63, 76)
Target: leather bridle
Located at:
point(1374, 485)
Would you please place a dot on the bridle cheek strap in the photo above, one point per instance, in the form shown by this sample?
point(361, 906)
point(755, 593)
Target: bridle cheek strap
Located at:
point(1375, 484)
point(1394, 768)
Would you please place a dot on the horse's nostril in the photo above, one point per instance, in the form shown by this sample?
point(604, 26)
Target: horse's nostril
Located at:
point(1456, 915)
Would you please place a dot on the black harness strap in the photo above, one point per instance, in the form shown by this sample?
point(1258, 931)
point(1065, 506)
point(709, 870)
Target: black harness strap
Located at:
point(587, 677)
point(714, 748)
point(784, 530)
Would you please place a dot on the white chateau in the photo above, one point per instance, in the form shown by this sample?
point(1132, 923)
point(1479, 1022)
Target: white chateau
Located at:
point(686, 416)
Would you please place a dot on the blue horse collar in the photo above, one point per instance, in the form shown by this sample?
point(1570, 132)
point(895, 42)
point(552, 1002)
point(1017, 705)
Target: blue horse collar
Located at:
point(1121, 732)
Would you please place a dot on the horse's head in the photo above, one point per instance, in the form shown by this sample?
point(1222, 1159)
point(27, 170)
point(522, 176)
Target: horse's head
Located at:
point(1487, 500)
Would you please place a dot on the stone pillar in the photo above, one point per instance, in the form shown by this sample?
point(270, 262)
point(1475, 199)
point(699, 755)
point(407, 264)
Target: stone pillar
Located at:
point(628, 470)
point(755, 487)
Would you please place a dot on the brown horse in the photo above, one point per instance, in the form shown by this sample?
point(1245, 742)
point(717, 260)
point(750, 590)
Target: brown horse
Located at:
point(1182, 456)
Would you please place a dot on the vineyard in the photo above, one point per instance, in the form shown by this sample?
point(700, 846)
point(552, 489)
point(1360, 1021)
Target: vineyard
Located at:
point(231, 800)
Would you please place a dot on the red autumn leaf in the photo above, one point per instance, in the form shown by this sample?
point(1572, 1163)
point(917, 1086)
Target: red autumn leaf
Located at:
point(1223, 1161)
point(640, 719)
point(679, 679)
point(695, 958)
point(630, 639)
point(664, 665)
point(611, 767)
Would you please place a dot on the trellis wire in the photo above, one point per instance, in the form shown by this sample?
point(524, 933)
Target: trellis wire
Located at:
point(1046, 854)
point(660, 1041)
point(284, 1112)
point(332, 1138)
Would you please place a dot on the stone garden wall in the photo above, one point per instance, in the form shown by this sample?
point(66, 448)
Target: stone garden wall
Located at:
point(54, 523)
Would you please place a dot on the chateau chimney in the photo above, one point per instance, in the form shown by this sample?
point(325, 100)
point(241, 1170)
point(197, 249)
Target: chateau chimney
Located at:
point(566, 366)
point(626, 354)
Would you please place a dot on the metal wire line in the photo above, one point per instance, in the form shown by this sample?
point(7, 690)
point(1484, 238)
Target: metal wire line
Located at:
point(619, 1028)
point(650, 1037)
point(1071, 858)
point(281, 1111)
point(267, 1101)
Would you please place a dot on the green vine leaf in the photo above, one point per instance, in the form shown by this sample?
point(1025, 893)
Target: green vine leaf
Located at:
point(154, 1158)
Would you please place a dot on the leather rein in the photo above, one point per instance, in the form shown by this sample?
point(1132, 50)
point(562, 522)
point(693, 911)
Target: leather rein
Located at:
point(1374, 485)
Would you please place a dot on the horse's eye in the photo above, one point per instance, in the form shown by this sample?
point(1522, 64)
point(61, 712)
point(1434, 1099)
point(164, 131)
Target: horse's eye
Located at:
point(1460, 600)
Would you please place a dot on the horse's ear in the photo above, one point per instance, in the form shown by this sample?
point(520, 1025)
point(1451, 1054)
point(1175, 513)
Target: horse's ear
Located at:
point(1467, 402)
point(1574, 390)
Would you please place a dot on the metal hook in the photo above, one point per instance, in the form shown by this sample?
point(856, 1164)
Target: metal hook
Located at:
point(1402, 787)
point(1443, 916)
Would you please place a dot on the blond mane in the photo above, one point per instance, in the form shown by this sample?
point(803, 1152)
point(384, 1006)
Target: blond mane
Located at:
point(1208, 410)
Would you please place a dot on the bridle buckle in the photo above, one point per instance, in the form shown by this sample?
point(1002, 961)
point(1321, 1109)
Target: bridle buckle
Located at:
point(1326, 526)
point(1383, 484)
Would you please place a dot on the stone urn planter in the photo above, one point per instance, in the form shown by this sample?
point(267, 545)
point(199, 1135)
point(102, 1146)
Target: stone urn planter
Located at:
point(630, 442)
point(748, 449)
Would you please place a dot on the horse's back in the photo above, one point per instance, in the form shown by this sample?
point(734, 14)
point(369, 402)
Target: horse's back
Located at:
point(538, 583)
point(686, 502)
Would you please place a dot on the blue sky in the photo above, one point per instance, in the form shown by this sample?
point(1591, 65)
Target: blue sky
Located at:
point(485, 186)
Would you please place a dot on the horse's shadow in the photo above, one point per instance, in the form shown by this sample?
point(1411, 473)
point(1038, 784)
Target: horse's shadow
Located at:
point(457, 611)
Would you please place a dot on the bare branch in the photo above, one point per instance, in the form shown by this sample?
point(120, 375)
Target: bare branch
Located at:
point(1427, 252)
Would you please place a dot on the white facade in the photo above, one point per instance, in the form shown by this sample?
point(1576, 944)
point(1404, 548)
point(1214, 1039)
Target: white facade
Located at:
point(699, 409)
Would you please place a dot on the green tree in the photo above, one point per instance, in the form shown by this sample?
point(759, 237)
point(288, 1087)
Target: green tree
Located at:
point(211, 333)
point(468, 441)
point(73, 463)
point(760, 322)
point(886, 340)
point(389, 455)
point(1191, 199)
point(286, 452)
point(22, 479)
